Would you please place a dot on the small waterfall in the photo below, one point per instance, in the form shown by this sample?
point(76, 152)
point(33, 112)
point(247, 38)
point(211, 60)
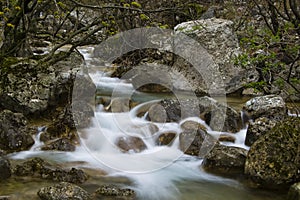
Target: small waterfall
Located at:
point(37, 142)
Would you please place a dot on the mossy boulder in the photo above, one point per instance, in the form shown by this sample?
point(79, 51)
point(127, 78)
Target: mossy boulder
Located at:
point(274, 159)
point(225, 160)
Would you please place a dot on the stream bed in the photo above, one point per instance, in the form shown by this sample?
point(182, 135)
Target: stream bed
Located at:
point(159, 172)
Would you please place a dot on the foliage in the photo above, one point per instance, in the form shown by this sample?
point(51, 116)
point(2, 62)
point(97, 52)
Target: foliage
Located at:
point(270, 37)
point(75, 23)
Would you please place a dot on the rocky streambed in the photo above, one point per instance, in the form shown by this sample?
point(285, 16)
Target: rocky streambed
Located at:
point(193, 147)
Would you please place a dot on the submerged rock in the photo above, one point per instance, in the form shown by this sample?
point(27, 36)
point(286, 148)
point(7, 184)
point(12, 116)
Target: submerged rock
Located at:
point(115, 192)
point(37, 167)
point(273, 160)
point(225, 160)
point(15, 135)
point(131, 143)
point(5, 168)
point(63, 191)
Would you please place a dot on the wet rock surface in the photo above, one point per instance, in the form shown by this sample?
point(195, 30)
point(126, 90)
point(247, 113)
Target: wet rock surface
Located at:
point(196, 142)
point(39, 168)
point(273, 160)
point(114, 192)
point(62, 144)
point(15, 135)
point(127, 144)
point(225, 160)
point(166, 139)
point(63, 191)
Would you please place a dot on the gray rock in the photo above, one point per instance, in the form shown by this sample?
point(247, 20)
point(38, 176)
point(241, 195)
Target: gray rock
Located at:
point(273, 161)
point(225, 160)
point(217, 37)
point(294, 192)
point(196, 142)
point(157, 113)
point(29, 88)
point(63, 191)
point(258, 128)
point(5, 168)
point(15, 135)
point(269, 106)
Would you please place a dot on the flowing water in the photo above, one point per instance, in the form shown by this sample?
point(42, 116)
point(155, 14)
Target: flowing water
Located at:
point(159, 172)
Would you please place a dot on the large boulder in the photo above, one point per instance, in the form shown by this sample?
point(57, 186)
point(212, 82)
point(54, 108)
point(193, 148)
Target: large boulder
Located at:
point(15, 135)
point(269, 106)
point(225, 160)
point(218, 38)
point(5, 168)
point(30, 88)
point(63, 191)
point(274, 159)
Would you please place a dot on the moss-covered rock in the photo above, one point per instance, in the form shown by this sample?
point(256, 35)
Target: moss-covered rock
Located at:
point(225, 160)
point(15, 135)
point(30, 87)
point(115, 192)
point(39, 168)
point(63, 191)
point(274, 159)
